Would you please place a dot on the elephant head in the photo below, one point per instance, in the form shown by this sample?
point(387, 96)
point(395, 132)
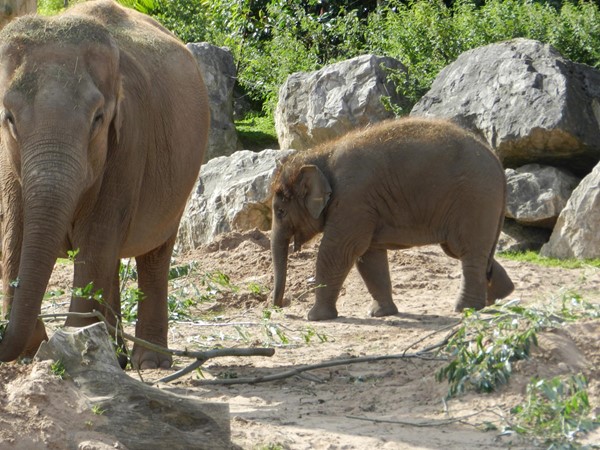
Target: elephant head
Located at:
point(301, 193)
point(59, 108)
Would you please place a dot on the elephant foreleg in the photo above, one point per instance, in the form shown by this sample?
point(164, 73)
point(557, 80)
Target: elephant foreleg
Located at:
point(334, 261)
point(374, 270)
point(152, 324)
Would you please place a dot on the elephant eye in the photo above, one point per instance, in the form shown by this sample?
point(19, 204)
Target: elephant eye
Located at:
point(10, 123)
point(97, 122)
point(280, 213)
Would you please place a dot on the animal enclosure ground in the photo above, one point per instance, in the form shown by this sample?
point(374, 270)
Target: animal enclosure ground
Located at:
point(388, 404)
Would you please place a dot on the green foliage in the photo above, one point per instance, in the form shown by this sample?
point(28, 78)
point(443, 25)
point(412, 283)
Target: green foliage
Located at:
point(270, 39)
point(310, 333)
point(489, 341)
point(427, 35)
point(98, 410)
point(534, 257)
point(49, 7)
point(257, 132)
point(558, 410)
point(88, 292)
point(58, 369)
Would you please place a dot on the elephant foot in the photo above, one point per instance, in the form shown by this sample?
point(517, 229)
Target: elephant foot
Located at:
point(322, 313)
point(379, 310)
point(33, 344)
point(143, 358)
point(463, 304)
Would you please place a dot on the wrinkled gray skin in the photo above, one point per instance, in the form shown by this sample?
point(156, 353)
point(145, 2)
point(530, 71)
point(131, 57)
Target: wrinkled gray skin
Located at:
point(103, 125)
point(395, 185)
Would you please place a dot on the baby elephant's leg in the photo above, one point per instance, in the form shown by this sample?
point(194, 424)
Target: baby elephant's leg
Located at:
point(374, 270)
point(499, 283)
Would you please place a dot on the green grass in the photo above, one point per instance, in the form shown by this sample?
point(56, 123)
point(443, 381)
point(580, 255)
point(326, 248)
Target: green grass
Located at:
point(257, 132)
point(535, 258)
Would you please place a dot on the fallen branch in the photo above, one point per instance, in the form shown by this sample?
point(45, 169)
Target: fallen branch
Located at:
point(437, 423)
point(299, 370)
point(199, 356)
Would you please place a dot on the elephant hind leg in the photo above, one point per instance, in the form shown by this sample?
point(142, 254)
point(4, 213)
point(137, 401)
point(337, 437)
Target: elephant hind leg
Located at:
point(499, 283)
point(473, 289)
point(374, 269)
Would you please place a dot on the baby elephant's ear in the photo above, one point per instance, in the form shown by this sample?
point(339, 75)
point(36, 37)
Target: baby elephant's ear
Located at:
point(315, 188)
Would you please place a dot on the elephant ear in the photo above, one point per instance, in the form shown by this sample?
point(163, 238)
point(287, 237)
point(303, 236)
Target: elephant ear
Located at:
point(315, 188)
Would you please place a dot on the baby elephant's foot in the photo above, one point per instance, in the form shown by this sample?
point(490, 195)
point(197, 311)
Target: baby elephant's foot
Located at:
point(381, 310)
point(320, 312)
point(463, 304)
point(147, 359)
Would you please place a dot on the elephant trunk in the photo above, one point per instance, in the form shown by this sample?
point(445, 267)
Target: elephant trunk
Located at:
point(280, 243)
point(50, 182)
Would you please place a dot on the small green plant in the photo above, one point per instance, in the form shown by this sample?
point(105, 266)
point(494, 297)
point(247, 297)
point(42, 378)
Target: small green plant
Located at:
point(72, 254)
point(130, 300)
point(270, 447)
point(557, 410)
point(310, 333)
point(487, 343)
point(88, 292)
point(256, 289)
point(58, 369)
point(182, 270)
point(98, 410)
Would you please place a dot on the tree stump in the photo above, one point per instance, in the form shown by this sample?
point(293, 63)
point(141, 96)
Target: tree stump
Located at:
point(139, 416)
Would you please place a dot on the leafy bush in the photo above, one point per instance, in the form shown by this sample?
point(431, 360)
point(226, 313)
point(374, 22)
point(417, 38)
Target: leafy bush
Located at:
point(556, 410)
point(270, 39)
point(489, 341)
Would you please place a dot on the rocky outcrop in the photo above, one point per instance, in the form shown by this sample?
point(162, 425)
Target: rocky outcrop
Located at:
point(219, 73)
point(576, 234)
point(318, 106)
point(537, 194)
point(232, 193)
point(519, 238)
point(526, 100)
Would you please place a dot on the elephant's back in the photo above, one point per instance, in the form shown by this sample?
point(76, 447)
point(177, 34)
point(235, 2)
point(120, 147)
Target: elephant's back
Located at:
point(416, 147)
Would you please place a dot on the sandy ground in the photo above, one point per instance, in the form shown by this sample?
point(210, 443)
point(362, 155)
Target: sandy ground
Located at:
point(386, 404)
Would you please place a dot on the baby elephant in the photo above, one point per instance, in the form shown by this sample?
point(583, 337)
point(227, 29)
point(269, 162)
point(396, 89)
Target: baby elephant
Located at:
point(394, 185)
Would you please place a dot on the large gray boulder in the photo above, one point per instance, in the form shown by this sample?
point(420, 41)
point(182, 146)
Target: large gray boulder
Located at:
point(577, 231)
point(537, 194)
point(315, 107)
point(526, 100)
point(218, 69)
point(520, 238)
point(232, 193)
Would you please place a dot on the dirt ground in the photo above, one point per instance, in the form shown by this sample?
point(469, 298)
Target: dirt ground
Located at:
point(386, 404)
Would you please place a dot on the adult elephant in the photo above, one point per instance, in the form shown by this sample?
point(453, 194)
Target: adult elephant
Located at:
point(394, 185)
point(104, 121)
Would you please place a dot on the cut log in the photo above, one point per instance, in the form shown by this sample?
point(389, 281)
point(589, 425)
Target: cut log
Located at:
point(139, 416)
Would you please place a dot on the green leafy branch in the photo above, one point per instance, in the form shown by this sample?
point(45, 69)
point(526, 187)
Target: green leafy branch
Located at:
point(557, 410)
point(489, 341)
